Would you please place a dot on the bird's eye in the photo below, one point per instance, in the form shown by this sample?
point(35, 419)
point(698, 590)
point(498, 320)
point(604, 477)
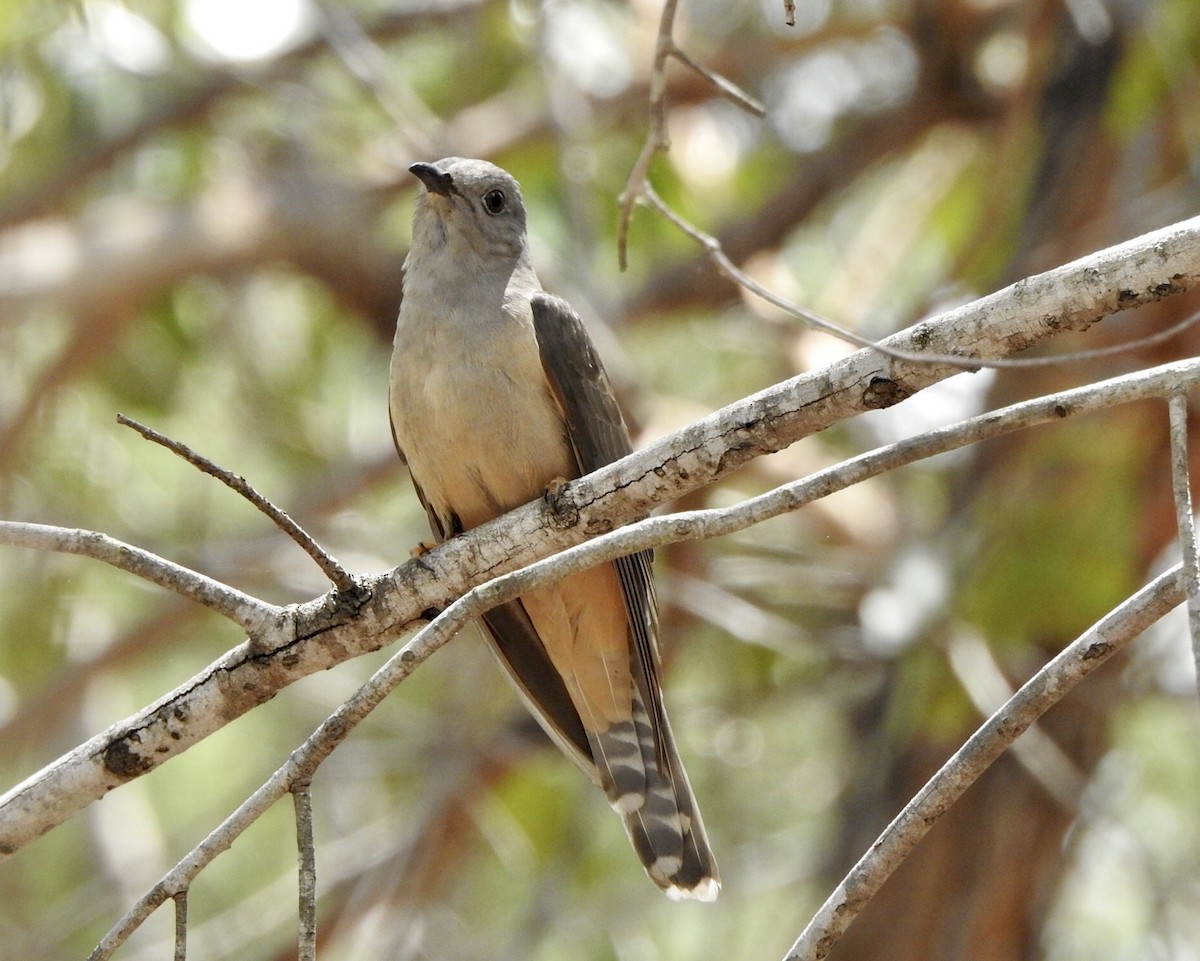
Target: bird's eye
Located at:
point(493, 201)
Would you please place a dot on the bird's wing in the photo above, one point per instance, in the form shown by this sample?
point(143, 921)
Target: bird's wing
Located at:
point(642, 772)
point(598, 436)
point(595, 426)
point(524, 659)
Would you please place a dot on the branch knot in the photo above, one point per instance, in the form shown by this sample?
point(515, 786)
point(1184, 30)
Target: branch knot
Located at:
point(561, 509)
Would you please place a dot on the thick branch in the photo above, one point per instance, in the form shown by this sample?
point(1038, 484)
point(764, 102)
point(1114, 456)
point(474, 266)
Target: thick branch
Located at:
point(314, 636)
point(1068, 298)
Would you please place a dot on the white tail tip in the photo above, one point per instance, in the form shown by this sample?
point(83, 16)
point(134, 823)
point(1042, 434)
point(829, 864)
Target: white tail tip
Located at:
point(706, 890)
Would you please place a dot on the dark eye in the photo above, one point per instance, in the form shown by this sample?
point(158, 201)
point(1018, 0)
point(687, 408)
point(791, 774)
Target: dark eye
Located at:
point(493, 201)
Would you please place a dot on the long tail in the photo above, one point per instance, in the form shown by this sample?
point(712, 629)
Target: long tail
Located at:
point(646, 784)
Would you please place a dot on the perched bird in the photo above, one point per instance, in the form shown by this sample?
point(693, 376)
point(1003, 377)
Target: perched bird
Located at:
point(495, 393)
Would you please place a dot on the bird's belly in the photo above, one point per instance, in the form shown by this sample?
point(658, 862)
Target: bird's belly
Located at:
point(480, 442)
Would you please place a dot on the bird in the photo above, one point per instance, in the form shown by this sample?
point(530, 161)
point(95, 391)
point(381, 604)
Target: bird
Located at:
point(496, 395)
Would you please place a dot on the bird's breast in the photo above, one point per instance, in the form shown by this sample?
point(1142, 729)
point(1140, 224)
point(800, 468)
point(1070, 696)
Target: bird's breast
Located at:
point(475, 420)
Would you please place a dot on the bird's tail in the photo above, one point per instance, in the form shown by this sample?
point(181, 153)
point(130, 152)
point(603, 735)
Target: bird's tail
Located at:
point(645, 782)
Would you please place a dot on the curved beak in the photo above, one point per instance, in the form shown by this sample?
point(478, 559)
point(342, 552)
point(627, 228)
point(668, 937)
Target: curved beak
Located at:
point(436, 181)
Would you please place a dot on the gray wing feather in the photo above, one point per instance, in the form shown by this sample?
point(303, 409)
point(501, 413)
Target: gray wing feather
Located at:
point(524, 658)
point(598, 436)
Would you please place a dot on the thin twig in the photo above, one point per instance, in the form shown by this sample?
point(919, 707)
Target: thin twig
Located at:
point(1177, 405)
point(299, 768)
point(247, 612)
point(306, 870)
point(722, 85)
point(656, 138)
point(180, 877)
point(1045, 689)
point(181, 925)
point(719, 259)
point(638, 189)
point(328, 564)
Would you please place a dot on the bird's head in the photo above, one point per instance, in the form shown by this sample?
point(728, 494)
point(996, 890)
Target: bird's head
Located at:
point(469, 207)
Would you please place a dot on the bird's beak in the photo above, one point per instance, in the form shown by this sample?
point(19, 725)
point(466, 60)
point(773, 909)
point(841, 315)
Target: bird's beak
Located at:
point(436, 181)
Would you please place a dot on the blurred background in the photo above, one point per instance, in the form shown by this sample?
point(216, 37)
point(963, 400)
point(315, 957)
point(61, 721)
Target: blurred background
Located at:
point(204, 209)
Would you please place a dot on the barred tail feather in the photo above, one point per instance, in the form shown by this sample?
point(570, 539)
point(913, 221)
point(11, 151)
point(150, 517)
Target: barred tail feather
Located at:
point(649, 789)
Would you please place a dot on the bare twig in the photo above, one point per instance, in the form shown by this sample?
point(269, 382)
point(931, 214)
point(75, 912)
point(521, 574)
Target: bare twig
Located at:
point(180, 877)
point(1177, 405)
point(306, 870)
point(247, 612)
point(638, 189)
point(328, 564)
point(726, 267)
point(722, 85)
point(1104, 639)
point(181, 925)
point(297, 770)
point(657, 138)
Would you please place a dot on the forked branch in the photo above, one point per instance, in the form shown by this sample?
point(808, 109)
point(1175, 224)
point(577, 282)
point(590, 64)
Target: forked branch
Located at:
point(341, 580)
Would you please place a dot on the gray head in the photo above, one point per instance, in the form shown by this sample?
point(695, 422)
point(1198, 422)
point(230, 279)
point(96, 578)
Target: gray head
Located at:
point(471, 208)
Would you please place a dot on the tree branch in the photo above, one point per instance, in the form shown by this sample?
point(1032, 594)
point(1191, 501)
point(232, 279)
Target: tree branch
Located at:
point(306, 870)
point(247, 612)
point(302, 639)
point(727, 268)
point(1177, 407)
point(1104, 639)
point(181, 925)
point(329, 565)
